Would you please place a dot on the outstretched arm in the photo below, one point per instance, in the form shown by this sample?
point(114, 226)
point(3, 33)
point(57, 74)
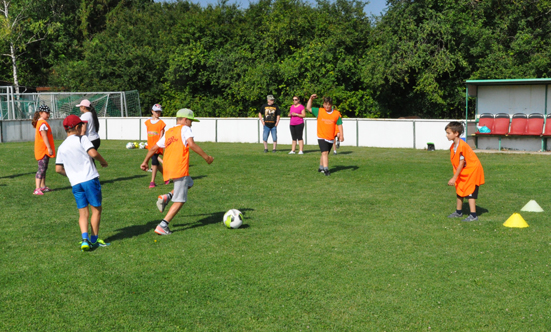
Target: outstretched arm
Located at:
point(145, 164)
point(309, 103)
point(197, 149)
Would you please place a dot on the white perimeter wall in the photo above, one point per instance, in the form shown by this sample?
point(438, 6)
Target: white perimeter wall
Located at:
point(384, 133)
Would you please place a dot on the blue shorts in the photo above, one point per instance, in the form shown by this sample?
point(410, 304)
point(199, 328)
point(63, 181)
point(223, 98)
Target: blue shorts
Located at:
point(88, 193)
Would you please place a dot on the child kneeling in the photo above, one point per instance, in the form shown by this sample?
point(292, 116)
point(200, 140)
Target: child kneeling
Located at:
point(73, 161)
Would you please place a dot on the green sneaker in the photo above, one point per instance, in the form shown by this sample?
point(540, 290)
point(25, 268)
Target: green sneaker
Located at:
point(100, 243)
point(85, 245)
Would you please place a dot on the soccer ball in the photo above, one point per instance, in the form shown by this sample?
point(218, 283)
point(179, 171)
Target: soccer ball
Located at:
point(142, 145)
point(129, 145)
point(233, 219)
point(136, 145)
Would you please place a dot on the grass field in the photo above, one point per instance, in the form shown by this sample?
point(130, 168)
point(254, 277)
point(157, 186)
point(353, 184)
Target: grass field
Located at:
point(369, 248)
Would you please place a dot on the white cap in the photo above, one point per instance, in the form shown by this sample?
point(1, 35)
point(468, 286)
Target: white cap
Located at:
point(157, 107)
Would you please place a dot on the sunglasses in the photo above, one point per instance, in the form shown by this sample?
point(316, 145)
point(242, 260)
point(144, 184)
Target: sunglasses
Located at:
point(295, 99)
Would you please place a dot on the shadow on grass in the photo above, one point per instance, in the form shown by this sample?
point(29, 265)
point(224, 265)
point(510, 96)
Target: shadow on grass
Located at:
point(16, 175)
point(342, 168)
point(106, 182)
point(131, 231)
point(210, 218)
point(479, 209)
point(344, 152)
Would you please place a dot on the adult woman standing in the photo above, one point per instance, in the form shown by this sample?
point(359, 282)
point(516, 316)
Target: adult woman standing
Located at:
point(297, 114)
point(91, 122)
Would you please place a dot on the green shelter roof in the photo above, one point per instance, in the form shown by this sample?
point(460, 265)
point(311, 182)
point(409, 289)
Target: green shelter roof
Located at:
point(524, 81)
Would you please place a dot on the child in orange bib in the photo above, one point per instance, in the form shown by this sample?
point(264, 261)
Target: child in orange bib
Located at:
point(44, 148)
point(155, 130)
point(468, 173)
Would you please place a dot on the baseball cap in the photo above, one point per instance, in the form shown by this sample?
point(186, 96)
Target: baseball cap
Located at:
point(85, 103)
point(71, 121)
point(270, 97)
point(157, 107)
point(186, 113)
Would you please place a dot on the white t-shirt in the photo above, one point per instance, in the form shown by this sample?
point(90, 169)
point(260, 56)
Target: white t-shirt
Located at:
point(43, 127)
point(73, 155)
point(91, 130)
point(186, 133)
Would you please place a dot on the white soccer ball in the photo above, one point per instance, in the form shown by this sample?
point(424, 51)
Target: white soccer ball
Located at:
point(129, 145)
point(142, 145)
point(233, 219)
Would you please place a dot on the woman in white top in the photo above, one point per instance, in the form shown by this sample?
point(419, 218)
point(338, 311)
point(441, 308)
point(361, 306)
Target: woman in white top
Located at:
point(91, 122)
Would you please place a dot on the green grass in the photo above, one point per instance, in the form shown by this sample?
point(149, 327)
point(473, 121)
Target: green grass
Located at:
point(367, 249)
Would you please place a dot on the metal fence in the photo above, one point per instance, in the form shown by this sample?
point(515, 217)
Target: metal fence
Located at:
point(107, 104)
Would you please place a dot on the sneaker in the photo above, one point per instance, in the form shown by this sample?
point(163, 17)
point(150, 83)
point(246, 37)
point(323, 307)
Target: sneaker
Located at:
point(167, 182)
point(162, 202)
point(150, 170)
point(265, 150)
point(274, 150)
point(292, 152)
point(99, 243)
point(152, 185)
point(338, 144)
point(320, 170)
point(45, 189)
point(85, 245)
point(327, 173)
point(470, 218)
point(455, 215)
point(37, 191)
point(335, 152)
point(300, 152)
point(162, 230)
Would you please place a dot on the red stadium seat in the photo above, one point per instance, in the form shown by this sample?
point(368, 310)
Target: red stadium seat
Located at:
point(534, 126)
point(547, 130)
point(518, 124)
point(486, 119)
point(501, 124)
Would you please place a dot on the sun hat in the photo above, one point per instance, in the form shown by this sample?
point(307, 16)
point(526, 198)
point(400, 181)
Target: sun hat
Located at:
point(186, 113)
point(44, 108)
point(270, 97)
point(71, 122)
point(85, 103)
point(157, 107)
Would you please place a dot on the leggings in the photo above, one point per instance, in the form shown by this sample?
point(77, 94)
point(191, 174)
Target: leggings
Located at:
point(42, 167)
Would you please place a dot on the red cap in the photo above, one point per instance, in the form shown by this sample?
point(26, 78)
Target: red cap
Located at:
point(71, 122)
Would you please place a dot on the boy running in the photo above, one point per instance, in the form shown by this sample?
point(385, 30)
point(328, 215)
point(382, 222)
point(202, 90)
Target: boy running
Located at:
point(468, 173)
point(74, 160)
point(327, 119)
point(177, 141)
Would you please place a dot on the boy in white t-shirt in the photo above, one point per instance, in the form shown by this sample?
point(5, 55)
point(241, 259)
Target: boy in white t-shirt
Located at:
point(74, 160)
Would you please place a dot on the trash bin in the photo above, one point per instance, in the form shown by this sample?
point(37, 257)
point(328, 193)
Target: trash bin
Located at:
point(430, 147)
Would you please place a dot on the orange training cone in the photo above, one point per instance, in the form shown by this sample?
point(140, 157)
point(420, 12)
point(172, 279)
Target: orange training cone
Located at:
point(515, 220)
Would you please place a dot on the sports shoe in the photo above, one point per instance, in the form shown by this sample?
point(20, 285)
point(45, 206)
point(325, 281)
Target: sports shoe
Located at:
point(99, 243)
point(167, 182)
point(274, 150)
point(320, 170)
point(338, 144)
point(334, 151)
point(162, 230)
point(37, 191)
point(327, 173)
point(150, 170)
point(455, 215)
point(85, 245)
point(292, 152)
point(470, 218)
point(45, 189)
point(300, 152)
point(265, 150)
point(162, 202)
point(152, 185)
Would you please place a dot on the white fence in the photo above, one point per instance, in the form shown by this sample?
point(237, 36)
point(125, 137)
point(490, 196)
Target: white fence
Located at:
point(384, 133)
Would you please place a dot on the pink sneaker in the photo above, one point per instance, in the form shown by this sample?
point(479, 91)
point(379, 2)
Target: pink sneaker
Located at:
point(45, 189)
point(167, 182)
point(152, 185)
point(38, 192)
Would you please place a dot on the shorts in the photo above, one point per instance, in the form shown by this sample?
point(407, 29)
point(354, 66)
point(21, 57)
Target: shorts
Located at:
point(324, 145)
point(473, 195)
point(96, 143)
point(296, 132)
point(88, 193)
point(267, 131)
point(155, 160)
point(181, 186)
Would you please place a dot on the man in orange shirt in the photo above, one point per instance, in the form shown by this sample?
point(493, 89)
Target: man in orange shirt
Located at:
point(177, 141)
point(328, 120)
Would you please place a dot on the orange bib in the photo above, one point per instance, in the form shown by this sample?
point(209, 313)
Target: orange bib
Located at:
point(176, 157)
point(154, 133)
point(327, 123)
point(40, 148)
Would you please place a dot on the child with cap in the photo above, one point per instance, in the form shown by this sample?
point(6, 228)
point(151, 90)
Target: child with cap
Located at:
point(155, 130)
point(74, 160)
point(328, 120)
point(468, 173)
point(91, 122)
point(177, 141)
point(44, 148)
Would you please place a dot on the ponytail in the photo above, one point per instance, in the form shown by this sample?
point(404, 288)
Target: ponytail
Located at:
point(35, 118)
point(94, 117)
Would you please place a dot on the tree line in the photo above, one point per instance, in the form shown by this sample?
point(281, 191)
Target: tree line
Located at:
point(222, 60)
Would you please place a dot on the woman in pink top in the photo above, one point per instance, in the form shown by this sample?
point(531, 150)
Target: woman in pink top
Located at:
point(297, 114)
